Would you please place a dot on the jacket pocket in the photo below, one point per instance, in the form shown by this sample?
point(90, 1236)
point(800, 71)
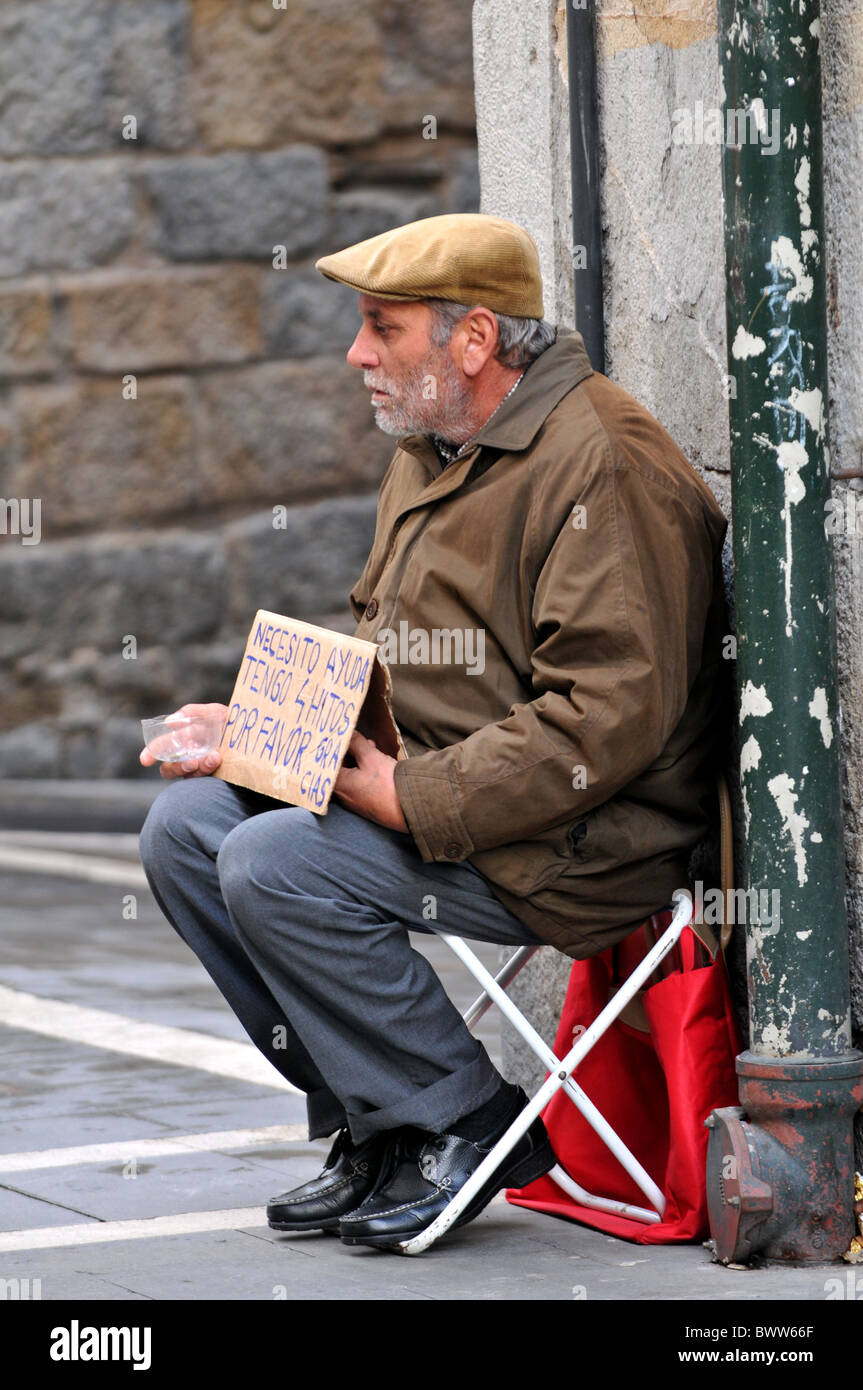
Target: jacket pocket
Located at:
point(577, 833)
point(526, 866)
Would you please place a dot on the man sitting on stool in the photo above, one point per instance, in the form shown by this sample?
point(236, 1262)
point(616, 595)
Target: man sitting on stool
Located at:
point(552, 790)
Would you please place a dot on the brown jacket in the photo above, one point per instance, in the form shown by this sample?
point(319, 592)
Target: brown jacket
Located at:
point(576, 769)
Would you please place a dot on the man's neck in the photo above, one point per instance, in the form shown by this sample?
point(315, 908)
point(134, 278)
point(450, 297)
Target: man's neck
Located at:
point(488, 396)
point(448, 446)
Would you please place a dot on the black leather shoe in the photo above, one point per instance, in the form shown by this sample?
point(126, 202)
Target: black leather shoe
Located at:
point(426, 1172)
point(348, 1176)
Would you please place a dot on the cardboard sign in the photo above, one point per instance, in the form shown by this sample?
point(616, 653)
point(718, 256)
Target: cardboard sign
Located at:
point(299, 694)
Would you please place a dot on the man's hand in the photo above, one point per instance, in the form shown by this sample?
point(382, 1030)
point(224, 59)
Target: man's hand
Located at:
point(369, 789)
point(191, 767)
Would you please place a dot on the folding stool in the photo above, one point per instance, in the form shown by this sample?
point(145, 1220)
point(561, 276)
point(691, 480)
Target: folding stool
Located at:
point(560, 1076)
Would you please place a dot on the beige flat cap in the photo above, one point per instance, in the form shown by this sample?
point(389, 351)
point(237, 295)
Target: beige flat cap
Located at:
point(469, 257)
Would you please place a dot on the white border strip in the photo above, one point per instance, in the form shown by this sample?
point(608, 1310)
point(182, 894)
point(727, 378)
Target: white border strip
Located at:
point(156, 1042)
point(122, 1150)
point(24, 860)
point(108, 844)
point(101, 1232)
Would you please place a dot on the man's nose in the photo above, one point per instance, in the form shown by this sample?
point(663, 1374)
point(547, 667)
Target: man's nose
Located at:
point(361, 354)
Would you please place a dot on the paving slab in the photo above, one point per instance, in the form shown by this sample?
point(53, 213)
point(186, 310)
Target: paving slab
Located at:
point(25, 1133)
point(22, 1211)
point(137, 1188)
point(219, 1113)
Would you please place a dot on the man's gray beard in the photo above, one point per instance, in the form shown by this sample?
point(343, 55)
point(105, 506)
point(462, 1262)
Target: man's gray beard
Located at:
point(447, 416)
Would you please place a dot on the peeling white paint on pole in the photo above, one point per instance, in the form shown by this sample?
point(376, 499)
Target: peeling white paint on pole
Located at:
point(775, 1039)
point(801, 183)
point(759, 115)
point(776, 1036)
point(840, 1027)
point(746, 344)
point(739, 32)
point(791, 457)
point(818, 710)
point(794, 822)
point(785, 256)
point(754, 701)
point(808, 239)
point(750, 757)
point(809, 404)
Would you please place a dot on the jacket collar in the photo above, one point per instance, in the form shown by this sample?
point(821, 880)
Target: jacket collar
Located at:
point(516, 423)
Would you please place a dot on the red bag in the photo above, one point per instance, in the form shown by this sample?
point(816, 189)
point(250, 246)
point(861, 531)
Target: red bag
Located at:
point(656, 1088)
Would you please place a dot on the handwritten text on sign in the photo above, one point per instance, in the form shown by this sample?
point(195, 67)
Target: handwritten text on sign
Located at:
point(297, 697)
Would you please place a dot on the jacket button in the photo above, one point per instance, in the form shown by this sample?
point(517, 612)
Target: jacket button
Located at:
point(371, 608)
point(452, 850)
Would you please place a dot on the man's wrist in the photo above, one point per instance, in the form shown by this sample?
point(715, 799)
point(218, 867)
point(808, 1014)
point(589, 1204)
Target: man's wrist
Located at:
point(399, 821)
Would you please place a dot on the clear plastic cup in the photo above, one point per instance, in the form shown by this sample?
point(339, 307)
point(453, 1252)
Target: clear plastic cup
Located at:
point(174, 737)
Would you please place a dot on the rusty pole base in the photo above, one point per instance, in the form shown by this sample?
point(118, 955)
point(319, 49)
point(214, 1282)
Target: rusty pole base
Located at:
point(780, 1167)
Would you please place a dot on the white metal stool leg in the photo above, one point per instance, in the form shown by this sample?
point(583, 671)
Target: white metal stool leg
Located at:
point(560, 1076)
point(583, 1103)
point(504, 977)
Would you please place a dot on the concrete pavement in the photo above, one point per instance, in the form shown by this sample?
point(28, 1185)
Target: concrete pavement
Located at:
point(141, 1134)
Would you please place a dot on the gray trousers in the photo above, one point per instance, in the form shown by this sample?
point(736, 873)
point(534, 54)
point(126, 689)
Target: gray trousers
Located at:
point(302, 922)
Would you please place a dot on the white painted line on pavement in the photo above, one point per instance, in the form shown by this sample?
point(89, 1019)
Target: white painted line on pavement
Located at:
point(59, 863)
point(100, 1232)
point(121, 1151)
point(111, 843)
point(157, 1042)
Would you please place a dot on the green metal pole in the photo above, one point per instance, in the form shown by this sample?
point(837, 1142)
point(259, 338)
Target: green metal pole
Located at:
point(797, 935)
point(786, 656)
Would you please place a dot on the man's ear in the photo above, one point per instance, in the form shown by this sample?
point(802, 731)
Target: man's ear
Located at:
point(478, 339)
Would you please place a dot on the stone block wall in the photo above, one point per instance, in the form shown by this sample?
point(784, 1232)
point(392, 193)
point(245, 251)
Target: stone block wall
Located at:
point(171, 365)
